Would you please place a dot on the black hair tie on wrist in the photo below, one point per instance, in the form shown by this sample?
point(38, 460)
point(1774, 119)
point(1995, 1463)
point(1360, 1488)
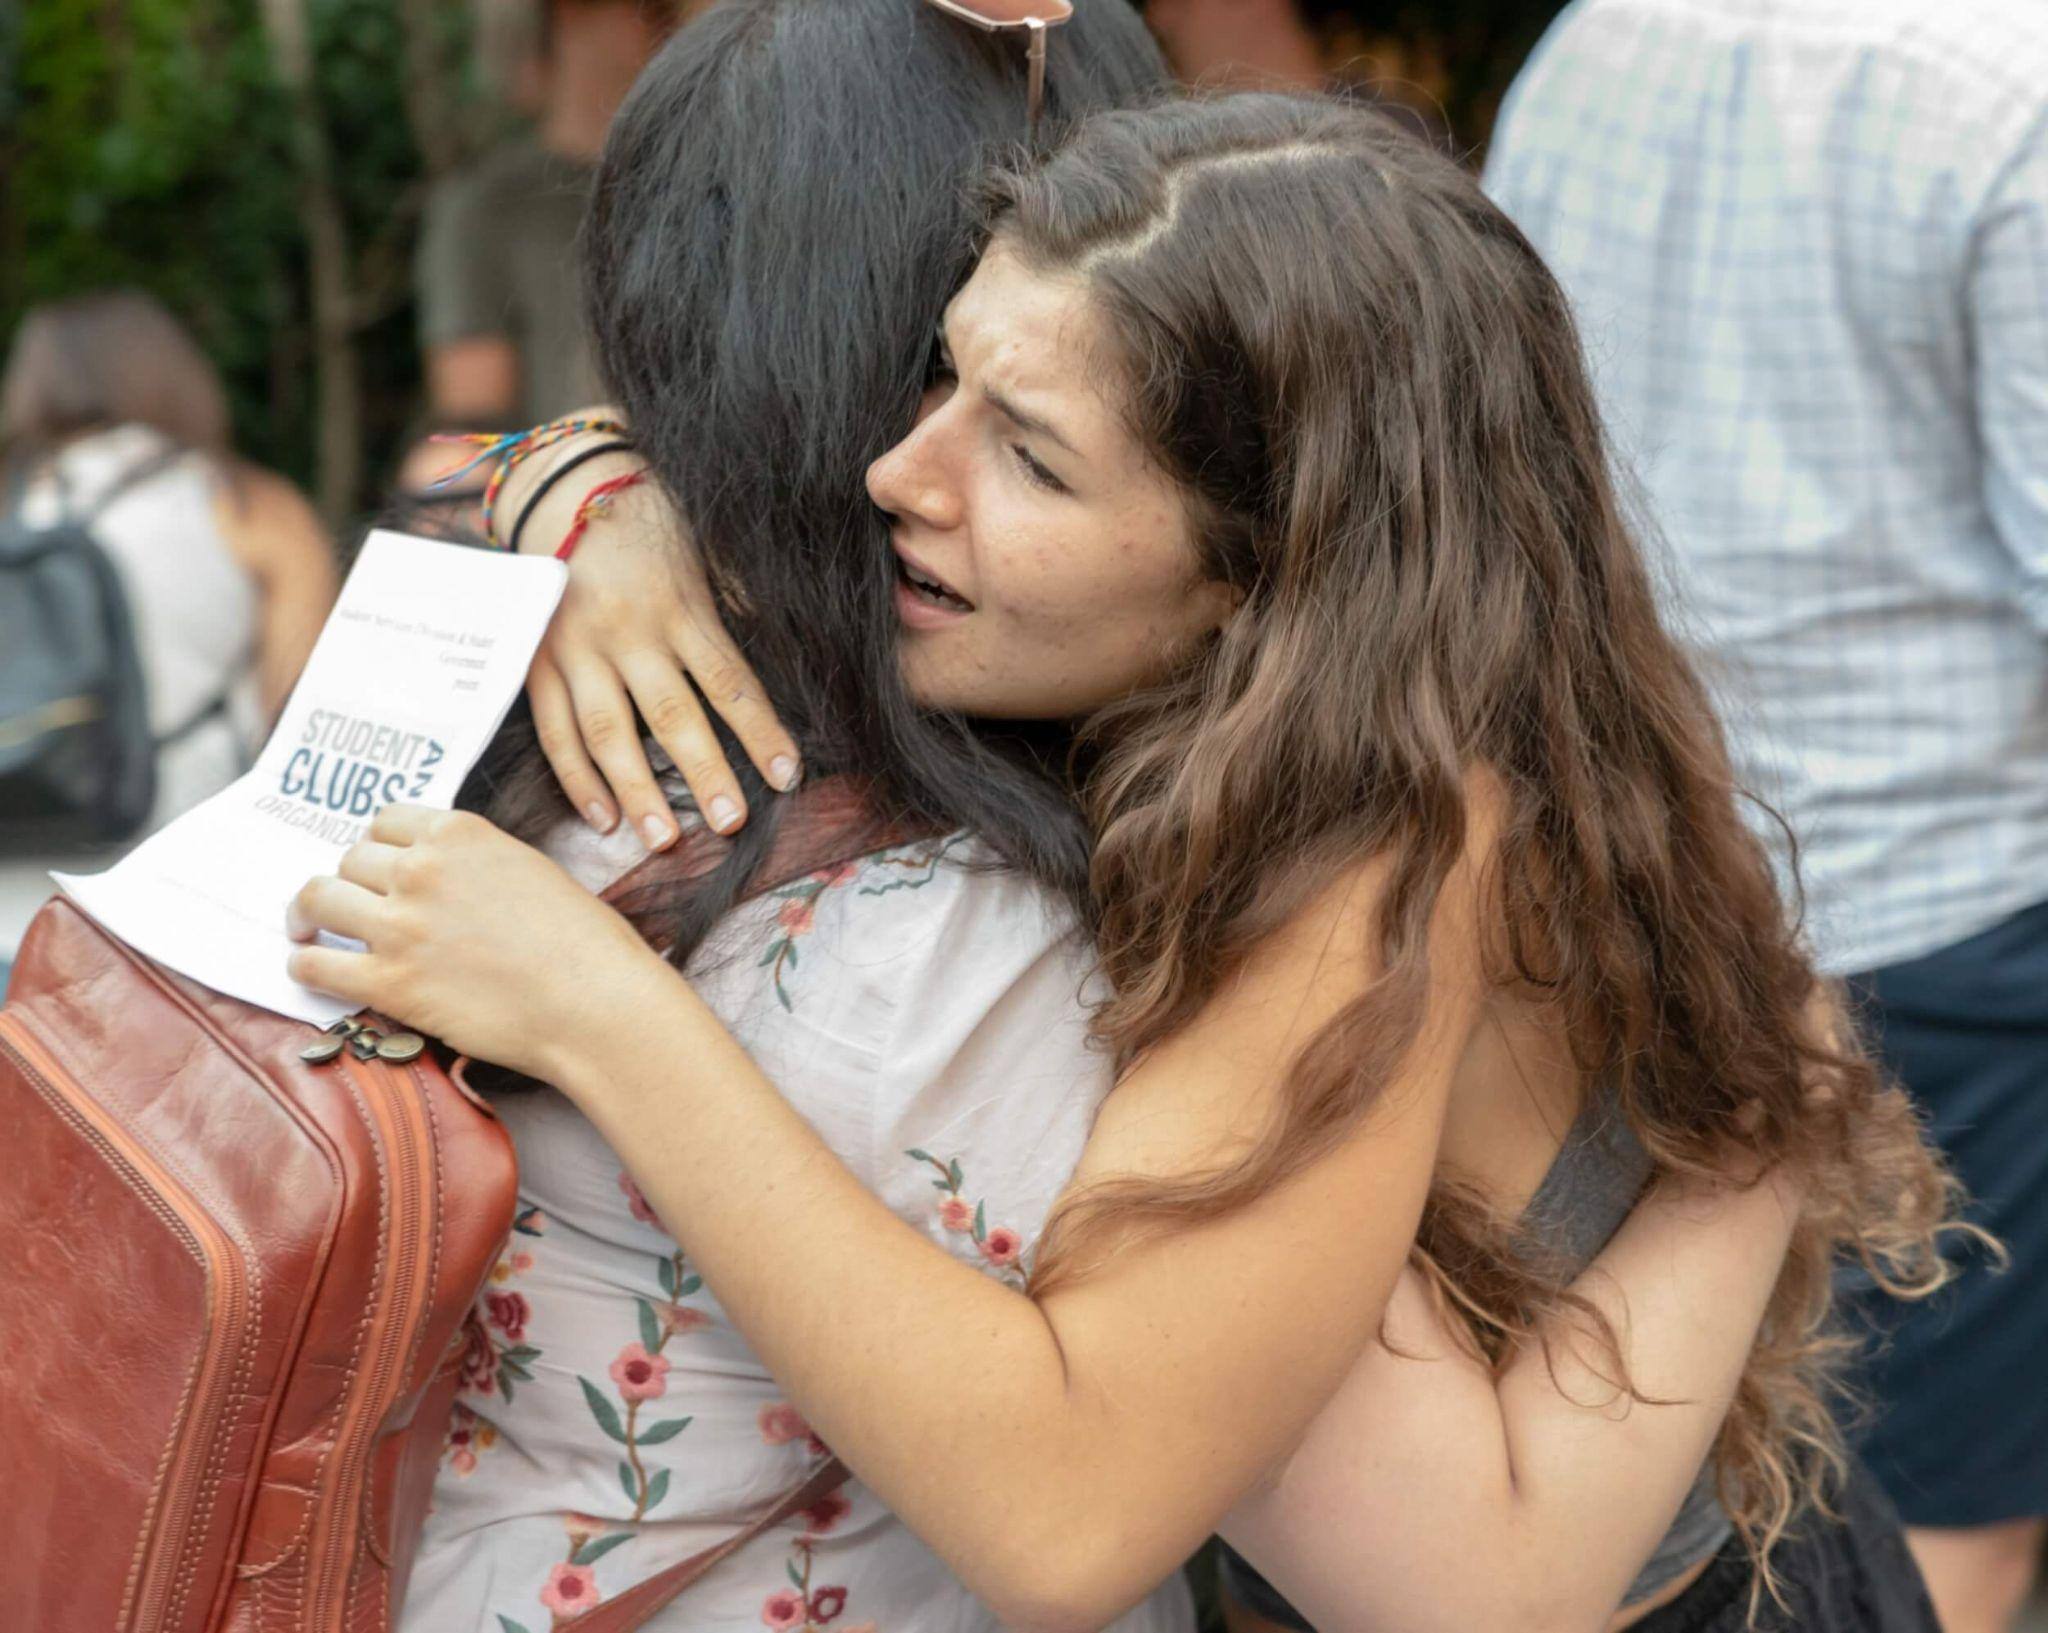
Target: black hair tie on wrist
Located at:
point(582, 456)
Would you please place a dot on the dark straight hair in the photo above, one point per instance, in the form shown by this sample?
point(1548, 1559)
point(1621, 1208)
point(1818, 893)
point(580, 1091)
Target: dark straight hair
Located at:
point(781, 213)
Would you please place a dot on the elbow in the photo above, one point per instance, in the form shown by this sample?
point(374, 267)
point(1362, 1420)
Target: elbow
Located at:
point(1559, 1611)
point(1076, 1584)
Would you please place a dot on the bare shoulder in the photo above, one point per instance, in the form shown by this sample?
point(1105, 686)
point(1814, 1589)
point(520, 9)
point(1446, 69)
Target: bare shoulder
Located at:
point(1211, 1089)
point(264, 517)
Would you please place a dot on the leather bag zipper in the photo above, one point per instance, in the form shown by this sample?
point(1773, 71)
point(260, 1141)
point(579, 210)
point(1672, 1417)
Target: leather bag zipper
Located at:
point(159, 1595)
point(395, 1102)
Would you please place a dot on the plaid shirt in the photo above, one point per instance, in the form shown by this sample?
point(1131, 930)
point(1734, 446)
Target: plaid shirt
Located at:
point(1807, 241)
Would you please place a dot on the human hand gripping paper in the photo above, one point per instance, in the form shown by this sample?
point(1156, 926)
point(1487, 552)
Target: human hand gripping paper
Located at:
point(412, 676)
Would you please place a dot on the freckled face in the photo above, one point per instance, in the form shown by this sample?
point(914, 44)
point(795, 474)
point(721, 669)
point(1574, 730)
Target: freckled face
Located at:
point(1045, 565)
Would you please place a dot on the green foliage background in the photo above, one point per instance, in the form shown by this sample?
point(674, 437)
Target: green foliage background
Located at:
point(149, 142)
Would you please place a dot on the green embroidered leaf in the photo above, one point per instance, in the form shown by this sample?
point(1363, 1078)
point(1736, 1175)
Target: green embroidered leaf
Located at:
point(981, 1221)
point(691, 1284)
point(920, 1156)
point(782, 997)
point(508, 1367)
point(505, 1383)
point(595, 1549)
point(667, 1273)
point(945, 1185)
point(521, 1353)
point(795, 1580)
point(632, 1486)
point(774, 952)
point(650, 1326)
point(507, 1625)
point(792, 955)
point(657, 1488)
point(525, 1226)
point(606, 1414)
point(959, 1178)
point(666, 1430)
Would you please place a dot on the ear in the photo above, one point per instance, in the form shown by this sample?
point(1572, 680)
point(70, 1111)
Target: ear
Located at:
point(1221, 603)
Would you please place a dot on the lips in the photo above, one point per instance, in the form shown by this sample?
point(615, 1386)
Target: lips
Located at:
point(926, 586)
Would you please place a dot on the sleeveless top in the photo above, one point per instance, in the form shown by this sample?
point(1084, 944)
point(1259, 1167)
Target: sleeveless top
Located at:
point(194, 608)
point(924, 1016)
point(1598, 1175)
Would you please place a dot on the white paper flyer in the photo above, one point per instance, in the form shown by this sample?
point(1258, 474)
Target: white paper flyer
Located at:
point(413, 674)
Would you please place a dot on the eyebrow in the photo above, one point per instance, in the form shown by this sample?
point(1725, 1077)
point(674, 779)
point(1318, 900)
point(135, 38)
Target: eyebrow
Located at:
point(1030, 422)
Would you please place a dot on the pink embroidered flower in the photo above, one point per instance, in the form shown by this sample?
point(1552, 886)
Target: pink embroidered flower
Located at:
point(640, 1376)
point(1001, 1246)
point(825, 1513)
point(508, 1313)
point(827, 1603)
point(571, 1590)
point(521, 1263)
point(466, 1437)
point(637, 1201)
point(797, 914)
point(781, 1423)
point(479, 1358)
point(837, 874)
point(533, 1222)
point(783, 1610)
point(955, 1214)
point(681, 1318)
point(502, 1271)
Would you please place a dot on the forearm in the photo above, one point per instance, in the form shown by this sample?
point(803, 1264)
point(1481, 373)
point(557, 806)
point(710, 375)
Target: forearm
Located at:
point(944, 1389)
point(1430, 1496)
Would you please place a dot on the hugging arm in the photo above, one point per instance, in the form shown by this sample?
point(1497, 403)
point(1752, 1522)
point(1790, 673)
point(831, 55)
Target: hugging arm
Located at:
point(638, 632)
point(1063, 1453)
point(1432, 1494)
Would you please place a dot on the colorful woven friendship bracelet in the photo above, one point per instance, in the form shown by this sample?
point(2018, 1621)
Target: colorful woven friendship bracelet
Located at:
point(510, 450)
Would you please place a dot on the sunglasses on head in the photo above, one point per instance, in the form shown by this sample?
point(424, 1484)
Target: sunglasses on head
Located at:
point(1033, 17)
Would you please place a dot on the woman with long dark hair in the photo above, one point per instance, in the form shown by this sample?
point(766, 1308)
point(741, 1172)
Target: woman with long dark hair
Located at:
point(777, 225)
point(1260, 444)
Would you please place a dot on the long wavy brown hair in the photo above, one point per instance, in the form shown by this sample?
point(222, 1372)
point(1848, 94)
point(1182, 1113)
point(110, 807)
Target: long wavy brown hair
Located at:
point(1371, 392)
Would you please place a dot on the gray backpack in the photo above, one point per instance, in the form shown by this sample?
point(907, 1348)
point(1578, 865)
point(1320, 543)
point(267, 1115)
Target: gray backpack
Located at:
point(77, 761)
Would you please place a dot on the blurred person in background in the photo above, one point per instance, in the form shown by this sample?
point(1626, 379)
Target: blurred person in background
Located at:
point(499, 315)
point(110, 412)
point(1808, 243)
point(1304, 45)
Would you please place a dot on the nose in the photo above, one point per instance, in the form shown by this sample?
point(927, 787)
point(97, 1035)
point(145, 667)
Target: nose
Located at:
point(912, 480)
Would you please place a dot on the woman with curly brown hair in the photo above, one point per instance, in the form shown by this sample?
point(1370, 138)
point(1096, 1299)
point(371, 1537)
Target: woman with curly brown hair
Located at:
point(1259, 444)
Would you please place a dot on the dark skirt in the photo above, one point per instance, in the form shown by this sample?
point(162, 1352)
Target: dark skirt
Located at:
point(1849, 1574)
point(1958, 1384)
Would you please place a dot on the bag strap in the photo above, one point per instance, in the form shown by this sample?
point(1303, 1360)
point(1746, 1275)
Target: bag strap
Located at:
point(826, 822)
point(150, 465)
point(631, 1609)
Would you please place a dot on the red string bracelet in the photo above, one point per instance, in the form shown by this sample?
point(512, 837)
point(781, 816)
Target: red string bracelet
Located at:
point(595, 503)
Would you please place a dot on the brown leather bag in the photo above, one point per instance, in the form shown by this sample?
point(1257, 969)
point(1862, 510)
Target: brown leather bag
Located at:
point(231, 1325)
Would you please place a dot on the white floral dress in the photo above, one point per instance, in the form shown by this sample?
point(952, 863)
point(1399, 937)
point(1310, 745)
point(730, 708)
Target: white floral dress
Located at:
point(926, 1019)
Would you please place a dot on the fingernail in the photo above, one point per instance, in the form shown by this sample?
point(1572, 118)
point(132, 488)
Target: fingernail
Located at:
point(724, 814)
point(656, 831)
point(783, 772)
point(599, 817)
